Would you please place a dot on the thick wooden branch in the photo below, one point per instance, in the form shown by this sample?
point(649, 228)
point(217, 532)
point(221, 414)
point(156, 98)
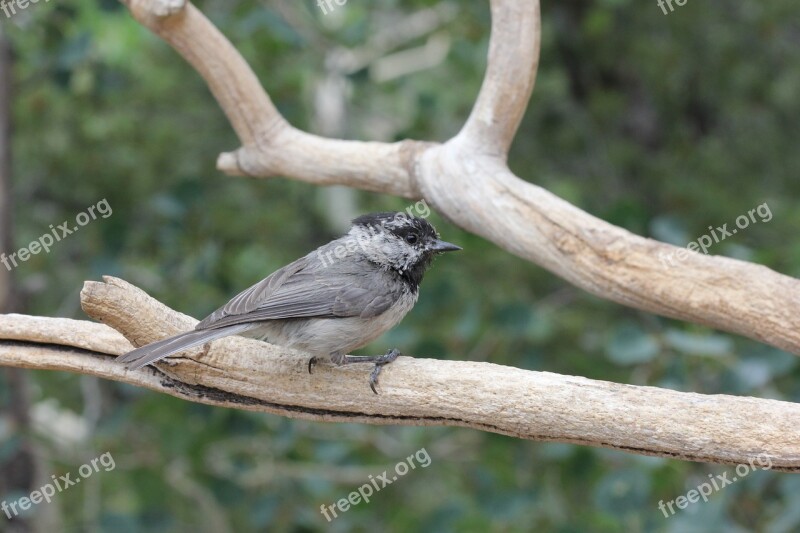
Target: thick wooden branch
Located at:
point(609, 261)
point(247, 374)
point(251, 113)
point(466, 180)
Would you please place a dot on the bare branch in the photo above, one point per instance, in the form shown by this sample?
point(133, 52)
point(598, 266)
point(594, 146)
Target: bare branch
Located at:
point(248, 107)
point(510, 74)
point(247, 374)
point(609, 261)
point(467, 180)
point(372, 166)
point(271, 145)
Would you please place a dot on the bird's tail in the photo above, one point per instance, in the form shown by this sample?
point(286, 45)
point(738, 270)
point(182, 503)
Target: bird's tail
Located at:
point(155, 351)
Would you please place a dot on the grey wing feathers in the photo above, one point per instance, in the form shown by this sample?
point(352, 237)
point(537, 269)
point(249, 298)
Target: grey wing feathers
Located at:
point(156, 351)
point(301, 291)
point(363, 302)
point(250, 298)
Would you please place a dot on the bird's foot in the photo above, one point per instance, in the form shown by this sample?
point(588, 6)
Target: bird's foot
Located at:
point(380, 362)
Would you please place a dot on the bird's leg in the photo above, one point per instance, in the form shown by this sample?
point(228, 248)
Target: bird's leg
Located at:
point(379, 360)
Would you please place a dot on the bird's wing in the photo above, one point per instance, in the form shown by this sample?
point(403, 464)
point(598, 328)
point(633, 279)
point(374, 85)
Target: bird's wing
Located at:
point(303, 290)
point(249, 299)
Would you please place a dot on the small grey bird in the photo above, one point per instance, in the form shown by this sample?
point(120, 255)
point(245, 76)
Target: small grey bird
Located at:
point(334, 300)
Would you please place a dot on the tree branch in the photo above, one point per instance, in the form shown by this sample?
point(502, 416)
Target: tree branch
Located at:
point(467, 180)
point(247, 374)
point(271, 146)
point(510, 74)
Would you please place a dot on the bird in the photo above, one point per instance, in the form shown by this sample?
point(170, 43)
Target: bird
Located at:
point(329, 302)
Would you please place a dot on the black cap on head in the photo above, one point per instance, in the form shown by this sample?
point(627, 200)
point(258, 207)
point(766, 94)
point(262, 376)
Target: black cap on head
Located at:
point(398, 222)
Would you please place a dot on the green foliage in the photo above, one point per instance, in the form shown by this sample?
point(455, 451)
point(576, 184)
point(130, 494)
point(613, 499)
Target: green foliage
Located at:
point(661, 124)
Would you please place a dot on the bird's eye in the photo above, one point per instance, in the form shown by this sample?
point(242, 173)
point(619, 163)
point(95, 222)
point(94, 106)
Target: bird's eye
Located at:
point(412, 238)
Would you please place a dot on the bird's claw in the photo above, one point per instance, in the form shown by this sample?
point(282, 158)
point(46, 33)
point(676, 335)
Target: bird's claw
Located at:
point(382, 361)
point(311, 363)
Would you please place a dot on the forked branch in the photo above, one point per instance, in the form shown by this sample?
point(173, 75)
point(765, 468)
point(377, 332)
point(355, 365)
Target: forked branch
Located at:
point(466, 179)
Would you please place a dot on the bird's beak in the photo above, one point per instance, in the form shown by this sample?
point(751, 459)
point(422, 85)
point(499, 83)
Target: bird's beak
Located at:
point(441, 246)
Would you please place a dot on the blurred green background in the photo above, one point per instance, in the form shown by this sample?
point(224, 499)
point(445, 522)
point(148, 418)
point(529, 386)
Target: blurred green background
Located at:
point(661, 124)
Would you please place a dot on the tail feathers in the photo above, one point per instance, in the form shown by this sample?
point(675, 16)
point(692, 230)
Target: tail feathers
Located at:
point(155, 351)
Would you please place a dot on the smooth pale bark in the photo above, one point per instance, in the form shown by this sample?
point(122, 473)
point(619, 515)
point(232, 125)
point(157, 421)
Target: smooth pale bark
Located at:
point(247, 374)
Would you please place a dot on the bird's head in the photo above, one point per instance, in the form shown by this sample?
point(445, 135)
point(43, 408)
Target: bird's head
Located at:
point(400, 242)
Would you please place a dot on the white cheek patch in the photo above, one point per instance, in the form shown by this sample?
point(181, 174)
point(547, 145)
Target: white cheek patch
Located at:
point(385, 248)
point(410, 257)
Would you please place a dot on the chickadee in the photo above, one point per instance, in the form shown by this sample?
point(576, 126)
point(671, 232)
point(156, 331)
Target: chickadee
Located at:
point(335, 299)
